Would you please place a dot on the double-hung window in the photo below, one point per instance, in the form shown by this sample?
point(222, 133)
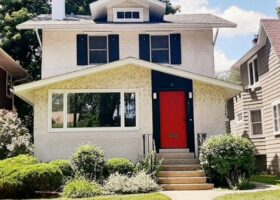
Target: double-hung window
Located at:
point(276, 117)
point(253, 71)
point(98, 49)
point(256, 122)
point(160, 50)
point(93, 110)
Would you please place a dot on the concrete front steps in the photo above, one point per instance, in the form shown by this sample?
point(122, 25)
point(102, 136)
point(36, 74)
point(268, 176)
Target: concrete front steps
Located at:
point(181, 171)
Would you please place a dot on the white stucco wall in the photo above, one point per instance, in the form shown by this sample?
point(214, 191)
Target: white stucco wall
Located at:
point(60, 56)
point(54, 145)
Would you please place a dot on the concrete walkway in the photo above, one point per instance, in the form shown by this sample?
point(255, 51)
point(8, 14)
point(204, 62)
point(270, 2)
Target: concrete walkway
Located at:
point(211, 194)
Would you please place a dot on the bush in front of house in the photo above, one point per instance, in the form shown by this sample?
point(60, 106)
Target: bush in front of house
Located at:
point(22, 179)
point(123, 184)
point(65, 167)
point(14, 136)
point(81, 188)
point(120, 166)
point(88, 161)
point(227, 158)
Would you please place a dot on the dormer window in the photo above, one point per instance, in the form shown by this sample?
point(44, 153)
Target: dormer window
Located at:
point(128, 14)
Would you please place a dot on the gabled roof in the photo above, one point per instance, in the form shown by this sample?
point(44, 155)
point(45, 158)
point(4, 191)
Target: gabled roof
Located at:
point(79, 22)
point(99, 8)
point(26, 91)
point(11, 66)
point(269, 28)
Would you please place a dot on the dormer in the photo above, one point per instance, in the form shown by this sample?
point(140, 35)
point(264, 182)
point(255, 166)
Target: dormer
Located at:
point(127, 11)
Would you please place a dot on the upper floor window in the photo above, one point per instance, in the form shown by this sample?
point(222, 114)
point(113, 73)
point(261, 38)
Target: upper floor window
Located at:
point(160, 51)
point(276, 117)
point(9, 85)
point(239, 117)
point(128, 15)
point(256, 122)
point(253, 71)
point(98, 49)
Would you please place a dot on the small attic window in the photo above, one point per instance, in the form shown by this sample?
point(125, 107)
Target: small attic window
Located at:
point(128, 14)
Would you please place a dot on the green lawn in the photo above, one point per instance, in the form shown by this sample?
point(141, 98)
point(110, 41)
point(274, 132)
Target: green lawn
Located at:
point(154, 196)
point(268, 179)
point(269, 195)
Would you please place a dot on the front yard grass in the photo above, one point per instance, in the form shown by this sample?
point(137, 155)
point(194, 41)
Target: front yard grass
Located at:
point(268, 195)
point(267, 179)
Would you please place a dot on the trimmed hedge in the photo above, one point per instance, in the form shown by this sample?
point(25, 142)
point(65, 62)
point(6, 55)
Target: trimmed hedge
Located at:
point(120, 165)
point(64, 166)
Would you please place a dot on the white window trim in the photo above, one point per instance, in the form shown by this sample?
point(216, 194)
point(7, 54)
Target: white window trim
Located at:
point(256, 83)
point(140, 10)
point(239, 121)
point(101, 129)
point(169, 47)
point(8, 78)
point(250, 124)
point(107, 40)
point(276, 103)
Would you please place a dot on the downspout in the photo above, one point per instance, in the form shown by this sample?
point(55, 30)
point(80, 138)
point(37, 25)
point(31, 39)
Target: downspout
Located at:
point(38, 37)
point(216, 36)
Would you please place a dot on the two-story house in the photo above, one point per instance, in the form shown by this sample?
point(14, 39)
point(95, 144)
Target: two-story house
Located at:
point(255, 113)
point(124, 77)
point(11, 73)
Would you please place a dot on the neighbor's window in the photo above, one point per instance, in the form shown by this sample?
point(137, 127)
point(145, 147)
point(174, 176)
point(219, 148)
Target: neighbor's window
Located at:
point(256, 122)
point(94, 110)
point(9, 85)
point(239, 117)
point(98, 49)
point(160, 49)
point(253, 71)
point(276, 117)
point(57, 110)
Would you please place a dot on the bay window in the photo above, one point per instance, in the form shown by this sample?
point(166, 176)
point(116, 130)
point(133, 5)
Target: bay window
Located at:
point(90, 110)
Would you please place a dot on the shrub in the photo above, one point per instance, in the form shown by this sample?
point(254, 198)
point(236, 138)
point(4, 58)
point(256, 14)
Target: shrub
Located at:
point(14, 136)
point(81, 188)
point(64, 166)
point(149, 164)
point(123, 184)
point(227, 157)
point(119, 165)
point(23, 180)
point(89, 161)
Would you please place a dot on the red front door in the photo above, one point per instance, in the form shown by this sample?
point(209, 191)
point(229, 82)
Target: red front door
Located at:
point(173, 120)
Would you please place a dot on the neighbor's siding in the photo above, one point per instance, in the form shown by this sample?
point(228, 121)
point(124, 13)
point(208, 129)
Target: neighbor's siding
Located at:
point(128, 144)
point(5, 103)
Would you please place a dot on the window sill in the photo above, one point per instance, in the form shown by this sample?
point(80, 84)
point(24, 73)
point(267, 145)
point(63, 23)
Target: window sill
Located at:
point(254, 87)
point(276, 133)
point(257, 137)
point(97, 130)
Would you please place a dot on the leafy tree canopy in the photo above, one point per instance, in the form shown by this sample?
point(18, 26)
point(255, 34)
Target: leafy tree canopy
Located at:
point(232, 75)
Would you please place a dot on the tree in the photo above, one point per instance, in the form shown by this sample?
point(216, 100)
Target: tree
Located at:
point(232, 75)
point(278, 11)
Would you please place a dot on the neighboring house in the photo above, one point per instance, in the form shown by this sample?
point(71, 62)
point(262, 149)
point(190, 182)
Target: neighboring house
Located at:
point(11, 73)
point(123, 77)
point(255, 113)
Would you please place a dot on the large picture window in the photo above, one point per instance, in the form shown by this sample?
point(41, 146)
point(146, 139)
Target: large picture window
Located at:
point(160, 49)
point(98, 49)
point(256, 122)
point(93, 110)
point(276, 117)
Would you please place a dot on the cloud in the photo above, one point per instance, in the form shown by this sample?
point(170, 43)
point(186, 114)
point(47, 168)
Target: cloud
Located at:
point(222, 62)
point(247, 20)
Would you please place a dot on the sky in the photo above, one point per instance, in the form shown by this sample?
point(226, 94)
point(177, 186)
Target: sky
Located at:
point(232, 44)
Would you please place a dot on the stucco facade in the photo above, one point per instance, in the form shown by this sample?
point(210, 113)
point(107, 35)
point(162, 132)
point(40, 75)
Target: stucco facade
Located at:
point(60, 55)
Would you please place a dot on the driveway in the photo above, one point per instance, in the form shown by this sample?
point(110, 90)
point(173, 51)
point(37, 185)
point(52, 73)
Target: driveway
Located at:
point(211, 194)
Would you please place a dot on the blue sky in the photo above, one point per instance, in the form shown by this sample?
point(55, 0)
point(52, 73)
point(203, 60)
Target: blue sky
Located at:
point(233, 44)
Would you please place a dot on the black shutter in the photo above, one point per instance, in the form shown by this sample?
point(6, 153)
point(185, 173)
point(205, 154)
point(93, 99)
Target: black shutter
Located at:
point(82, 49)
point(175, 48)
point(114, 48)
point(144, 47)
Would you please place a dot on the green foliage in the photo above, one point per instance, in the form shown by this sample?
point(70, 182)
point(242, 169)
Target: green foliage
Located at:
point(123, 184)
point(267, 179)
point(64, 166)
point(149, 164)
point(171, 9)
point(81, 188)
point(226, 158)
point(88, 161)
point(232, 76)
point(22, 176)
point(265, 195)
point(120, 165)
point(15, 138)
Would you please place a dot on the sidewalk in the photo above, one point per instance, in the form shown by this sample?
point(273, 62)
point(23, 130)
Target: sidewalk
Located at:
point(211, 194)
